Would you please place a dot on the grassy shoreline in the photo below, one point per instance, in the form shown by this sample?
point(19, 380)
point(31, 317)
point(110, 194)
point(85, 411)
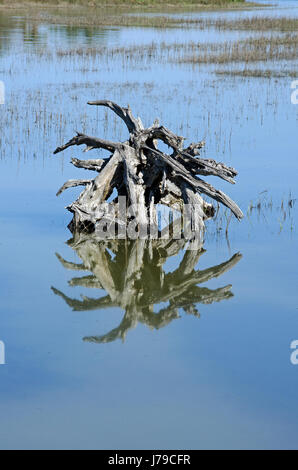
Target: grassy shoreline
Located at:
point(263, 24)
point(134, 4)
point(128, 13)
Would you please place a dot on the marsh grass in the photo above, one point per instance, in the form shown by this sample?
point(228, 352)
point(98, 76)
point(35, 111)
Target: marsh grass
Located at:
point(253, 49)
point(252, 23)
point(102, 17)
point(95, 14)
point(258, 73)
point(255, 23)
point(277, 215)
point(281, 212)
point(110, 18)
point(130, 3)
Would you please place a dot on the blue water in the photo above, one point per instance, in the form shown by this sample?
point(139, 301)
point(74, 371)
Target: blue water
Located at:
point(216, 375)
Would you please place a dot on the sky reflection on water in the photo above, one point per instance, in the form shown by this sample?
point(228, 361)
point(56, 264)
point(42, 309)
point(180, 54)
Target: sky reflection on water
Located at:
point(219, 380)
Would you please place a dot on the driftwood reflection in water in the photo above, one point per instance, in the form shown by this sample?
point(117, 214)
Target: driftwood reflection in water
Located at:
point(132, 274)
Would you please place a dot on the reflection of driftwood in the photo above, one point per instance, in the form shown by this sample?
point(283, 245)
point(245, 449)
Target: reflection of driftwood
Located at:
point(139, 171)
point(132, 274)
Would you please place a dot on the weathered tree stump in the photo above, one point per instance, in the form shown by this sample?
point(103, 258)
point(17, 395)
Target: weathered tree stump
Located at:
point(139, 173)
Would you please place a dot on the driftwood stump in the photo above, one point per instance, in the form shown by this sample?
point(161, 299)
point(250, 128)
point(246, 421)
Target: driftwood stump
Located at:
point(138, 176)
point(133, 275)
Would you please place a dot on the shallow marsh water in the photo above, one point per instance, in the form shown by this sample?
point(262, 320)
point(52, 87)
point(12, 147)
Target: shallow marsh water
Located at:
point(213, 374)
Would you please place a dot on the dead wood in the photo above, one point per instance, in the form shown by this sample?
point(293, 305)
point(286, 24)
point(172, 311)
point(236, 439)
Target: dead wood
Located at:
point(146, 176)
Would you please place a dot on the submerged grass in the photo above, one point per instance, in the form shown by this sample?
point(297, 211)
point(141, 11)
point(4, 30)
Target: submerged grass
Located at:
point(278, 215)
point(283, 210)
point(253, 49)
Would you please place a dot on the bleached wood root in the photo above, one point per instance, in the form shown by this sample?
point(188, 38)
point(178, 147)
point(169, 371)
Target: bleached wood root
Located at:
point(146, 177)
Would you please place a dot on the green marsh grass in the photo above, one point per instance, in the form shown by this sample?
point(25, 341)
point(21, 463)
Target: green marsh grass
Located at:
point(253, 49)
point(259, 73)
point(127, 3)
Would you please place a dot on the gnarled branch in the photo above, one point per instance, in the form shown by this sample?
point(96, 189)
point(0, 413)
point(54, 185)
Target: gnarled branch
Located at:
point(133, 124)
point(72, 184)
point(90, 142)
point(95, 165)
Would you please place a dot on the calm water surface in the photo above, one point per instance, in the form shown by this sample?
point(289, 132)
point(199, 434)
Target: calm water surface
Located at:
point(196, 352)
